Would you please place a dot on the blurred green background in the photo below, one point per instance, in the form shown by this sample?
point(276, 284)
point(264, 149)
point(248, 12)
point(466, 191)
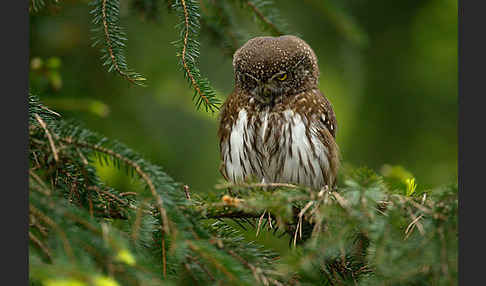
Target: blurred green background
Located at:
point(388, 67)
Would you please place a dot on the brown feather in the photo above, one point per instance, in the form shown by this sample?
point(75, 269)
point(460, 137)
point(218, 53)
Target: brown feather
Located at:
point(269, 129)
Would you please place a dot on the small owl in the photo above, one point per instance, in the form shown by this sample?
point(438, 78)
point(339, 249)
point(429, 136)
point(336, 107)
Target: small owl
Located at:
point(276, 126)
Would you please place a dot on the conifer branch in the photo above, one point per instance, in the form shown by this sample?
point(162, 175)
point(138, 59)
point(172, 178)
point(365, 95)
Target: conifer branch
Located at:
point(110, 196)
point(35, 223)
point(217, 264)
point(184, 54)
point(40, 245)
point(138, 220)
point(47, 220)
point(257, 272)
point(137, 168)
point(265, 20)
point(49, 137)
point(188, 11)
point(218, 21)
point(216, 212)
point(44, 189)
point(267, 15)
point(106, 15)
point(203, 267)
point(343, 235)
point(109, 43)
point(257, 185)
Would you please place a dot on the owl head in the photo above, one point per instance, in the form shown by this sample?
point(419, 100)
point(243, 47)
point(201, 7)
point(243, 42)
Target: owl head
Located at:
point(271, 67)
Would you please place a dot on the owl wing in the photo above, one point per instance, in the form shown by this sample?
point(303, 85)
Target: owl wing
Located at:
point(226, 121)
point(330, 118)
point(236, 144)
point(325, 127)
point(307, 150)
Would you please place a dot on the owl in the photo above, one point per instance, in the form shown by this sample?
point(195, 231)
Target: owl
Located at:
point(276, 126)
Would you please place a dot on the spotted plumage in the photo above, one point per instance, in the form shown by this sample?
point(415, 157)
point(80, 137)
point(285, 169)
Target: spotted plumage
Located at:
point(276, 126)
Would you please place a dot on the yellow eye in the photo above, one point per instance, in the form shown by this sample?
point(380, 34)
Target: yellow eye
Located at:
point(282, 77)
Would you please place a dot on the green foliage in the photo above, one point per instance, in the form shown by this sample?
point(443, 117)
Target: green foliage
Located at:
point(188, 12)
point(265, 13)
point(111, 36)
point(218, 22)
point(37, 5)
point(83, 231)
point(374, 229)
point(80, 227)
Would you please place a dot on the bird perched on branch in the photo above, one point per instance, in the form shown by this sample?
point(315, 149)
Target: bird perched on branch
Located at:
point(276, 126)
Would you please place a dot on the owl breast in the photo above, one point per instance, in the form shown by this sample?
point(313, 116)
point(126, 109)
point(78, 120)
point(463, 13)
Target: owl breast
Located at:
point(277, 147)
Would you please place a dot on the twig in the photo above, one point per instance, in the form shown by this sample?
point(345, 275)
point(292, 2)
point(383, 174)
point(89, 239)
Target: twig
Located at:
point(50, 111)
point(41, 246)
point(34, 223)
point(424, 197)
point(263, 18)
point(301, 214)
point(95, 188)
point(164, 259)
point(184, 52)
point(412, 225)
point(186, 266)
point(260, 222)
point(67, 247)
point(415, 204)
point(35, 158)
point(203, 267)
point(295, 233)
point(257, 185)
point(138, 169)
point(128, 193)
point(90, 202)
point(109, 45)
point(83, 159)
point(255, 270)
point(186, 191)
point(49, 137)
point(44, 189)
point(270, 220)
point(216, 263)
point(219, 212)
point(341, 200)
point(138, 221)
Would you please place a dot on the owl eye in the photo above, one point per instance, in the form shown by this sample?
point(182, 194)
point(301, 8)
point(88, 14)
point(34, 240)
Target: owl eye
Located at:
point(282, 77)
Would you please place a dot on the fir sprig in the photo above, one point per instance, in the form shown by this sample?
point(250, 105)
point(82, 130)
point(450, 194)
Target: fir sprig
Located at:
point(79, 211)
point(218, 21)
point(112, 38)
point(267, 15)
point(189, 15)
point(361, 233)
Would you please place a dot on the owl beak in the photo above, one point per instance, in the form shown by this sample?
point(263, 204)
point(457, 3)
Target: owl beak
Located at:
point(264, 93)
point(267, 92)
